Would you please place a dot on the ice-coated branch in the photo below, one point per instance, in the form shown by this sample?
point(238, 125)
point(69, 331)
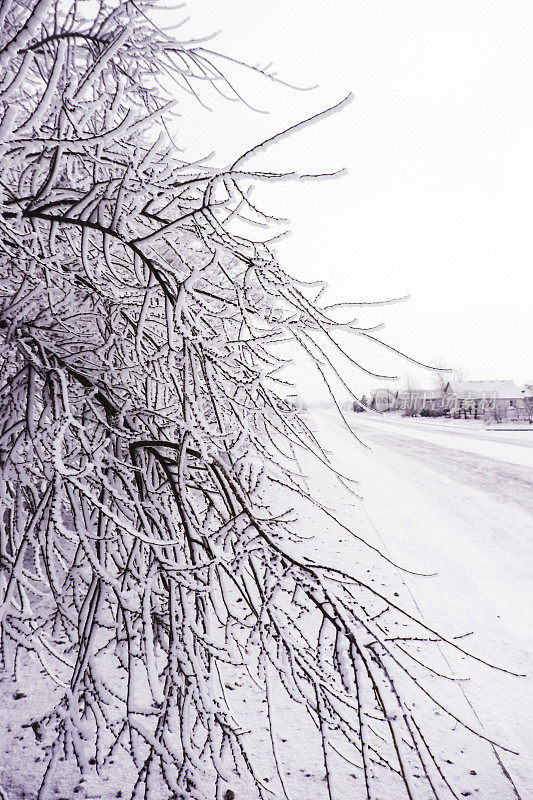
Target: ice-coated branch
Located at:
point(149, 475)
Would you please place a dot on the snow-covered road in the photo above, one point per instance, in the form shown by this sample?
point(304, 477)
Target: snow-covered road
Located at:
point(458, 504)
point(511, 446)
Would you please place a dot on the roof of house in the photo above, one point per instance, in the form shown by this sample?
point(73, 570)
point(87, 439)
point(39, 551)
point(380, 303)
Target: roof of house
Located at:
point(507, 390)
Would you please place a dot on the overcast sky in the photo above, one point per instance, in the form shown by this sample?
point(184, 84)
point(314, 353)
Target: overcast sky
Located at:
point(438, 198)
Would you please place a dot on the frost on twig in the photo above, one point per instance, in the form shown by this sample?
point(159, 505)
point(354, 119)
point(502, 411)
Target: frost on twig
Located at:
point(142, 439)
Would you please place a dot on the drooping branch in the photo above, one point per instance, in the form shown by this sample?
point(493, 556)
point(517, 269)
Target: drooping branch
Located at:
point(150, 484)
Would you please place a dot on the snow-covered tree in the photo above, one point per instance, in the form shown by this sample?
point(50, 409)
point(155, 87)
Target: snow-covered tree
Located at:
point(145, 450)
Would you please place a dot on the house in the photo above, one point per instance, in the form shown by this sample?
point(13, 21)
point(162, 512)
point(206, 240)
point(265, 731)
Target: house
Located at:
point(410, 401)
point(413, 401)
point(475, 398)
point(384, 399)
point(500, 399)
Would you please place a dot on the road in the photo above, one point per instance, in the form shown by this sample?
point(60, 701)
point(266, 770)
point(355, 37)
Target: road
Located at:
point(513, 447)
point(458, 504)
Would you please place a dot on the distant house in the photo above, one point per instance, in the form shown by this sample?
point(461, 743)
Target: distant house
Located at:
point(410, 401)
point(413, 401)
point(384, 400)
point(498, 399)
point(474, 398)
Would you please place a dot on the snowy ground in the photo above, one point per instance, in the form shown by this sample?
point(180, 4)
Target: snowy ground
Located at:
point(455, 503)
point(458, 503)
point(512, 446)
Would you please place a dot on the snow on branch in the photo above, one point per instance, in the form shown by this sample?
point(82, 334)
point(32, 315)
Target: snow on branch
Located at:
point(141, 558)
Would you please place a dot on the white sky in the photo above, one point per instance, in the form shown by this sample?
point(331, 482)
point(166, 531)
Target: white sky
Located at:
point(438, 200)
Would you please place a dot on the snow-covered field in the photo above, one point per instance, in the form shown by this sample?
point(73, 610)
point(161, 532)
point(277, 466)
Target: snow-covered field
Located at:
point(454, 504)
